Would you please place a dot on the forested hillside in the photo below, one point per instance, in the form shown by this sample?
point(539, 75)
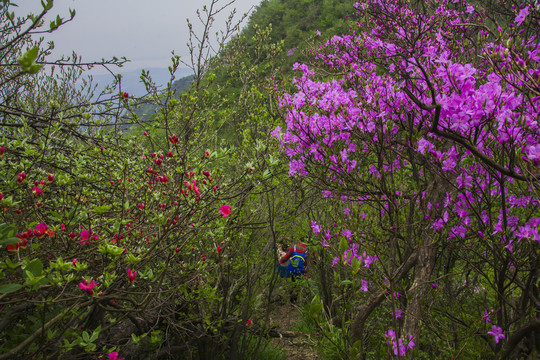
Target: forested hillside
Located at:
point(395, 143)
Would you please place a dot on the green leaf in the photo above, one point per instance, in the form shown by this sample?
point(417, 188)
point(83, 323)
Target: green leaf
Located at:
point(9, 241)
point(110, 249)
point(47, 6)
point(343, 245)
point(29, 57)
point(11, 264)
point(314, 309)
point(95, 334)
point(35, 267)
point(132, 259)
point(9, 288)
point(6, 231)
point(116, 226)
point(102, 209)
point(355, 265)
point(346, 282)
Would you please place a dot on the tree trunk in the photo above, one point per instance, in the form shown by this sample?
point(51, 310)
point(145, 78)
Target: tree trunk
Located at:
point(419, 290)
point(426, 262)
point(363, 312)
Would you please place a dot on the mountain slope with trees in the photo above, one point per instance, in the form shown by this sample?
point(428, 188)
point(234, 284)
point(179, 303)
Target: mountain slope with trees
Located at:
point(403, 148)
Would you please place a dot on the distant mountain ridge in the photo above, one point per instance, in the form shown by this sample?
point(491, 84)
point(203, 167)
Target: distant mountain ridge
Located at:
point(131, 80)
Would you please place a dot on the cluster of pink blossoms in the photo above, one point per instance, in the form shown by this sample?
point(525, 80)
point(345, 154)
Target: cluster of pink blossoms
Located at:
point(412, 89)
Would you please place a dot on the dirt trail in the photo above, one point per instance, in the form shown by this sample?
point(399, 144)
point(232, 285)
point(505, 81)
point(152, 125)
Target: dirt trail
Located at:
point(298, 347)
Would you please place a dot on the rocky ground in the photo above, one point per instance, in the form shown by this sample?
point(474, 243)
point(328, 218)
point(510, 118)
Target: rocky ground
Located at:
point(296, 345)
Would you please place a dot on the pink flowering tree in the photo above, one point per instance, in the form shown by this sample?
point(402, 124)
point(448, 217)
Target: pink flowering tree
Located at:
point(421, 125)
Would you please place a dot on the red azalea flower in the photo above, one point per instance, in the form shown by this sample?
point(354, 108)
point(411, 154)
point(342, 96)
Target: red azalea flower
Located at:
point(88, 287)
point(114, 356)
point(225, 210)
point(21, 177)
point(131, 276)
point(42, 227)
point(173, 139)
point(13, 247)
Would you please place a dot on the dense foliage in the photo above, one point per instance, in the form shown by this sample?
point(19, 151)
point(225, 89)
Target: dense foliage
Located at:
point(404, 152)
point(423, 124)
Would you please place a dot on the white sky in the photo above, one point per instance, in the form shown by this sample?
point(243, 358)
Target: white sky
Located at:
point(143, 31)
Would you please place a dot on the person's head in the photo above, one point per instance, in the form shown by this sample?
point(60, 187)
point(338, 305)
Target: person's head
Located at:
point(284, 247)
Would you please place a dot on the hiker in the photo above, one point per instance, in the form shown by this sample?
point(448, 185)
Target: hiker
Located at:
point(292, 262)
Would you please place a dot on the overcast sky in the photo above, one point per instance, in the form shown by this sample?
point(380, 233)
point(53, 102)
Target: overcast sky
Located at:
point(143, 31)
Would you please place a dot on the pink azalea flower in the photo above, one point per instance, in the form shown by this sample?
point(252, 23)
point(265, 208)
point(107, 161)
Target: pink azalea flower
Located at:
point(249, 322)
point(496, 332)
point(486, 317)
point(364, 286)
point(522, 15)
point(225, 210)
point(315, 227)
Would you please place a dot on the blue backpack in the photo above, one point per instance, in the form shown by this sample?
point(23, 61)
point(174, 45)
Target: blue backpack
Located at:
point(296, 266)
